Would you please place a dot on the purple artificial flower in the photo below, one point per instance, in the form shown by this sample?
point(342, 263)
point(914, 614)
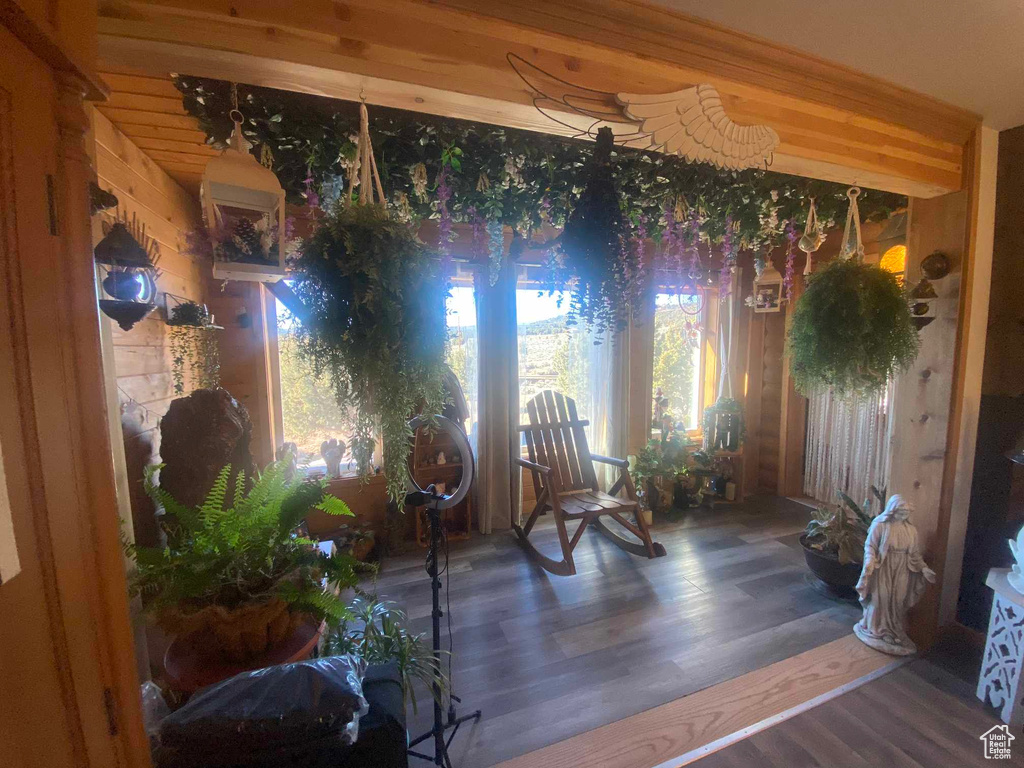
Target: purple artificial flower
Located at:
point(787, 280)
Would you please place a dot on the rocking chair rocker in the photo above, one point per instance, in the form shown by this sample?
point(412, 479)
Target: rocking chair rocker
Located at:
point(563, 475)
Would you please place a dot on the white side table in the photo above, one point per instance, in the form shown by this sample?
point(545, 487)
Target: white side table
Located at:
point(1000, 678)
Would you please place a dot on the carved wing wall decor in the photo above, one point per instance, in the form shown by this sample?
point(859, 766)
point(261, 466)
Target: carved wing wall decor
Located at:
point(692, 123)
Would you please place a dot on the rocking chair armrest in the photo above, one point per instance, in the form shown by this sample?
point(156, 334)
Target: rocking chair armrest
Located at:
point(620, 463)
point(533, 467)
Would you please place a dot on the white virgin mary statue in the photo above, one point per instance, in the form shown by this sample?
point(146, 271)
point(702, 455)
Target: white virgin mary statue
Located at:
point(892, 581)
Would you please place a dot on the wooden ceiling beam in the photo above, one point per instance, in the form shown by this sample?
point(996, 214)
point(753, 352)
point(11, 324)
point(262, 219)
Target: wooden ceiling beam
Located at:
point(448, 57)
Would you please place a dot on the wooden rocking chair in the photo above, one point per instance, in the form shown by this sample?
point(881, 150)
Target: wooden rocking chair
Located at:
point(563, 475)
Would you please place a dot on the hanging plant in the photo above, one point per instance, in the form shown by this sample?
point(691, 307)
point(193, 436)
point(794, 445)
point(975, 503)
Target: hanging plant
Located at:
point(596, 249)
point(374, 298)
point(851, 329)
point(193, 347)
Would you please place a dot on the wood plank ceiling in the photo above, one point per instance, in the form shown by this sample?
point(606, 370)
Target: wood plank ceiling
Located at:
point(449, 57)
point(148, 110)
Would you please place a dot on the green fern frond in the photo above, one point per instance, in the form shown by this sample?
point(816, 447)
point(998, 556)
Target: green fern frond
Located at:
point(332, 505)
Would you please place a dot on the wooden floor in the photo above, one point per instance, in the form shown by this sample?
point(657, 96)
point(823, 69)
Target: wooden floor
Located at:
point(918, 716)
point(549, 657)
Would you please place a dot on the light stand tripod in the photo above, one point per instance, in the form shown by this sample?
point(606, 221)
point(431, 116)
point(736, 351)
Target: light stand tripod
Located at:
point(435, 502)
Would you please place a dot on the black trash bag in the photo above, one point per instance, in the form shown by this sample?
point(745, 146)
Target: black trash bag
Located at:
point(306, 713)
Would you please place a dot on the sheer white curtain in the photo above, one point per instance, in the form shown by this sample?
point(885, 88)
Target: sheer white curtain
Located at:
point(848, 444)
point(608, 395)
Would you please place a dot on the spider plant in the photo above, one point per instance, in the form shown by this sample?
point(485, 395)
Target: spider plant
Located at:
point(377, 633)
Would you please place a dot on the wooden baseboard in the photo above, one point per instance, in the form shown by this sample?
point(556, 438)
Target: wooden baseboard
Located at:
point(692, 727)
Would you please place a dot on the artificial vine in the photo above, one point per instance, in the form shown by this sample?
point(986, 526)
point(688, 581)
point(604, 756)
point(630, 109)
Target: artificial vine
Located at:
point(374, 301)
point(519, 178)
point(193, 347)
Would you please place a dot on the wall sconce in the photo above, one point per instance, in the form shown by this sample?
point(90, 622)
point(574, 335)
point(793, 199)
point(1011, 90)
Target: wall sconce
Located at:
point(129, 271)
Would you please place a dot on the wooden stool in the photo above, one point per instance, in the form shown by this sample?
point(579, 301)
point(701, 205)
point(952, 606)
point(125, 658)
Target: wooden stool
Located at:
point(999, 681)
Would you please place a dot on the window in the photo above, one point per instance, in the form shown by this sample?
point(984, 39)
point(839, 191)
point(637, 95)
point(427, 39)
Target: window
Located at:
point(462, 350)
point(677, 376)
point(310, 411)
point(551, 356)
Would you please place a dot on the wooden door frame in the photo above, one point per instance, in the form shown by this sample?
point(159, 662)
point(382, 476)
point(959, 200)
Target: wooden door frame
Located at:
point(63, 397)
point(81, 388)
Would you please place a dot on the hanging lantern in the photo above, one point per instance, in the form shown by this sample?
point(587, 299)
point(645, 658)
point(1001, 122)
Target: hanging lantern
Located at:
point(129, 272)
point(244, 209)
point(812, 237)
point(768, 290)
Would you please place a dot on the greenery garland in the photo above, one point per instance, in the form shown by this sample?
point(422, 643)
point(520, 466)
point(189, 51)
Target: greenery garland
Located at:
point(851, 329)
point(374, 301)
point(519, 178)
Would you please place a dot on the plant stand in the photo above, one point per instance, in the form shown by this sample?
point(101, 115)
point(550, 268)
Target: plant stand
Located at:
point(1000, 677)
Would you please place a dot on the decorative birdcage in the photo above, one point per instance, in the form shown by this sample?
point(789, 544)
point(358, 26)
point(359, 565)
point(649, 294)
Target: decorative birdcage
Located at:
point(244, 210)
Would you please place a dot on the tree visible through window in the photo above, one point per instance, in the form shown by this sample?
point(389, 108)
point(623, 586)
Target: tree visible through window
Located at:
point(677, 342)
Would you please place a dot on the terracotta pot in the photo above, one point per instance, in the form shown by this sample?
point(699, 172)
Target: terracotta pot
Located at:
point(840, 578)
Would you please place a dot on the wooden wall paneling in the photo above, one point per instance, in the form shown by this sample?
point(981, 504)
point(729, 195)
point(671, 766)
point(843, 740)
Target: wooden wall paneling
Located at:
point(245, 367)
point(753, 383)
point(923, 401)
point(793, 421)
point(970, 361)
point(771, 401)
point(448, 58)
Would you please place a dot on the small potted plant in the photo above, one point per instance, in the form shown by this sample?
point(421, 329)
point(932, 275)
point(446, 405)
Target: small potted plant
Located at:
point(833, 543)
point(378, 634)
point(239, 576)
point(657, 471)
point(193, 346)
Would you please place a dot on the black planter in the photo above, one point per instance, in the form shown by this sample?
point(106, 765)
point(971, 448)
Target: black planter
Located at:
point(838, 578)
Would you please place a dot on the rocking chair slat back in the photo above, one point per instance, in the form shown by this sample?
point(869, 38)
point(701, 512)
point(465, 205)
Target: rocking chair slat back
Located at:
point(555, 438)
point(556, 407)
point(582, 448)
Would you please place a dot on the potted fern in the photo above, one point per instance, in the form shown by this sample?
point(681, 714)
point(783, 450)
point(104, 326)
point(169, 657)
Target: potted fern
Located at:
point(237, 572)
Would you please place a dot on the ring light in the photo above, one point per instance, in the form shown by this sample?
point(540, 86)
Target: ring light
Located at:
point(447, 501)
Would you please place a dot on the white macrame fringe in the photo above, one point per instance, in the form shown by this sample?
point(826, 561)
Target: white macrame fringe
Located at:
point(848, 445)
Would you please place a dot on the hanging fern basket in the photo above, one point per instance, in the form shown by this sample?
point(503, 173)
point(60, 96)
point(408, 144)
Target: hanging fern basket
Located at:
point(375, 320)
point(851, 331)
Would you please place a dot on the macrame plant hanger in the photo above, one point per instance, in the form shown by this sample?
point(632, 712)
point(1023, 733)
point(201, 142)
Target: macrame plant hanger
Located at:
point(852, 245)
point(366, 165)
point(812, 237)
